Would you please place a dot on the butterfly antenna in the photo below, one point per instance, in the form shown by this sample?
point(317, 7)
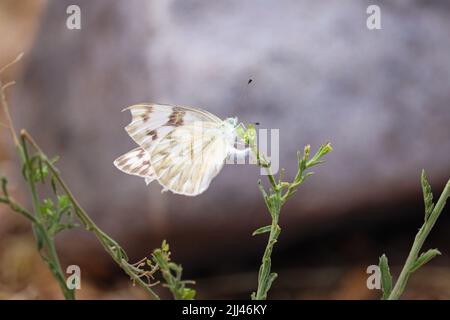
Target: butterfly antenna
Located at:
point(242, 98)
point(244, 92)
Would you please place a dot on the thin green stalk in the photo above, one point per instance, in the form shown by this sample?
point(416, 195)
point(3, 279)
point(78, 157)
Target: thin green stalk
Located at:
point(265, 277)
point(279, 192)
point(47, 217)
point(172, 273)
point(110, 245)
point(412, 262)
point(18, 208)
point(51, 258)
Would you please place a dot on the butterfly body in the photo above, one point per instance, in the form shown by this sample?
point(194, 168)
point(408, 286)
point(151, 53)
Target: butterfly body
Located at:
point(183, 148)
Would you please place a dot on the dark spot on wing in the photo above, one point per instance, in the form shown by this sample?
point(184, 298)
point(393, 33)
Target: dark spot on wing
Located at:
point(145, 117)
point(176, 117)
point(153, 134)
point(141, 154)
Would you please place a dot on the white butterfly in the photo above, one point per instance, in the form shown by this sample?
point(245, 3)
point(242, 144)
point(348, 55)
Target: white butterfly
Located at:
point(183, 148)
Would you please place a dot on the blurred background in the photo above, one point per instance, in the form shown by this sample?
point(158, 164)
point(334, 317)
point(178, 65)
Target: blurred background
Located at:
point(319, 74)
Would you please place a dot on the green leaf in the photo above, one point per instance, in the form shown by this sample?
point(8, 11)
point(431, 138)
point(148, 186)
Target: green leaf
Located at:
point(271, 279)
point(323, 150)
point(424, 258)
point(262, 230)
point(165, 246)
point(188, 294)
point(54, 159)
point(53, 185)
point(386, 278)
point(264, 194)
point(63, 201)
point(240, 131)
point(39, 170)
point(175, 267)
point(264, 271)
point(250, 135)
point(427, 195)
point(47, 208)
point(171, 272)
point(43, 170)
point(268, 284)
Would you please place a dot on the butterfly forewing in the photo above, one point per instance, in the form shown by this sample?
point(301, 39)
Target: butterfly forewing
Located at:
point(151, 122)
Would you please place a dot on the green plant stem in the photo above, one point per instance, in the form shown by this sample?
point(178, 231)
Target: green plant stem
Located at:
point(279, 192)
point(18, 208)
point(110, 245)
point(420, 238)
point(44, 239)
point(51, 258)
point(172, 273)
point(265, 276)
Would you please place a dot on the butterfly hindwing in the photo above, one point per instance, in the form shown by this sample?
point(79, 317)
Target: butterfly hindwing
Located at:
point(136, 162)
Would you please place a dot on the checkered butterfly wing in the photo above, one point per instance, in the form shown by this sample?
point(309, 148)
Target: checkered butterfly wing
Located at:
point(183, 148)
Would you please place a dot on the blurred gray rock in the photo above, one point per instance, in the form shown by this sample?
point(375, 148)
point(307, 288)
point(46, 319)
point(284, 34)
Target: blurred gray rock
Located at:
point(381, 97)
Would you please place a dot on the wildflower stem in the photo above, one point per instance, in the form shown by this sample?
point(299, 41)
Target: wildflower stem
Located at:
point(44, 236)
point(420, 238)
point(18, 208)
point(46, 244)
point(172, 272)
point(265, 277)
point(110, 245)
point(40, 232)
point(279, 192)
